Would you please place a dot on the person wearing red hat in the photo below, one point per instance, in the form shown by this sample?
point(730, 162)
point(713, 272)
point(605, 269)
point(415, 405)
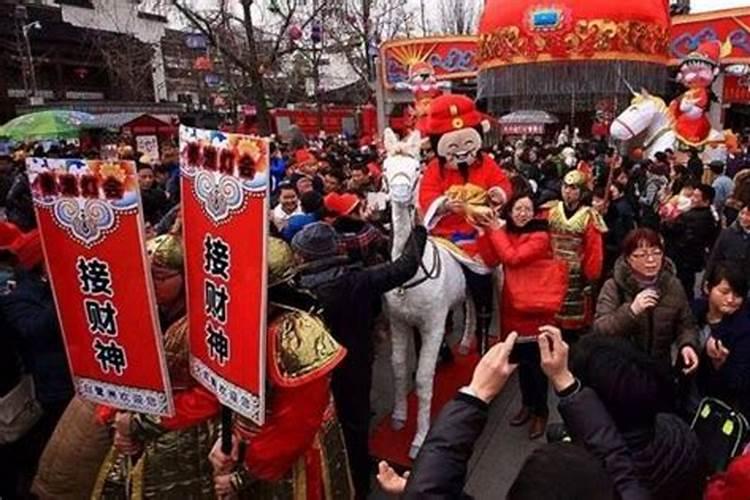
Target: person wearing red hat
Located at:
point(456, 181)
point(690, 110)
point(359, 239)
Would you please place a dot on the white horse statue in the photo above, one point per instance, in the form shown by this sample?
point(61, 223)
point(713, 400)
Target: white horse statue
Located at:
point(425, 301)
point(648, 124)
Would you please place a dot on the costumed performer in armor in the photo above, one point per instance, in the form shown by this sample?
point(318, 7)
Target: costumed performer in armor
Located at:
point(425, 87)
point(459, 190)
point(690, 110)
point(576, 233)
point(299, 452)
point(170, 456)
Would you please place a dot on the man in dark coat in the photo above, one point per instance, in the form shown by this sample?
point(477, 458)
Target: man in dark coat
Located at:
point(691, 237)
point(601, 469)
point(350, 296)
point(733, 245)
point(29, 321)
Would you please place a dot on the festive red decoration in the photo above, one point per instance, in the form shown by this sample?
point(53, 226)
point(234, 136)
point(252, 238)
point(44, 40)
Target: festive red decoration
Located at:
point(517, 31)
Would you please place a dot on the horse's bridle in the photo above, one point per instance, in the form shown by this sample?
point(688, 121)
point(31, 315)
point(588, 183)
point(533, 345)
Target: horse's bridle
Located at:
point(437, 264)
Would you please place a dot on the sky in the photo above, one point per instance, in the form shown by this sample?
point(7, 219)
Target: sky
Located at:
point(704, 5)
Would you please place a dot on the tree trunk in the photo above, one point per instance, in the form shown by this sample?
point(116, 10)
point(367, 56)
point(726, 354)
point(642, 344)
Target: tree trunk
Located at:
point(258, 87)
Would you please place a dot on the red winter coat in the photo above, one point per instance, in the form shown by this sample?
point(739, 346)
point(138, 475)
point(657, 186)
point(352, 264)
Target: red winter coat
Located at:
point(516, 251)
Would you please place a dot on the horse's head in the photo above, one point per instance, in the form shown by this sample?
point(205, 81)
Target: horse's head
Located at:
point(642, 113)
point(401, 168)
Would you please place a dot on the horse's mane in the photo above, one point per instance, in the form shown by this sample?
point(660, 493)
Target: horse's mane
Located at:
point(661, 106)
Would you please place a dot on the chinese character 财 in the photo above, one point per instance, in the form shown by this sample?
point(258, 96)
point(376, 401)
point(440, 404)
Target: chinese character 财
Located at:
point(110, 355)
point(216, 299)
point(94, 276)
point(101, 317)
point(218, 344)
point(216, 257)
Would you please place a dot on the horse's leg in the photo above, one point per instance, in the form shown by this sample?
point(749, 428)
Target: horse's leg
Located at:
point(432, 337)
point(400, 332)
point(470, 325)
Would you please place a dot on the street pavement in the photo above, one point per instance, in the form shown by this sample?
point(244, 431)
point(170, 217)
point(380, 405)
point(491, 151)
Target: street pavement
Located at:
point(500, 451)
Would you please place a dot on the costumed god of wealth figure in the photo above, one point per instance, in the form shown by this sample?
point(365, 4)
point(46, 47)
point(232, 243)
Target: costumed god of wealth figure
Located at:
point(690, 110)
point(425, 87)
point(460, 190)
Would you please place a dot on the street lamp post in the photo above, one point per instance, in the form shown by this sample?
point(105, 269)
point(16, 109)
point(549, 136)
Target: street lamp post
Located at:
point(25, 30)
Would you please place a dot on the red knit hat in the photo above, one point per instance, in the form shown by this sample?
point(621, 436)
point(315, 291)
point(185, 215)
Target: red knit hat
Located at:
point(302, 156)
point(341, 204)
point(452, 112)
point(28, 249)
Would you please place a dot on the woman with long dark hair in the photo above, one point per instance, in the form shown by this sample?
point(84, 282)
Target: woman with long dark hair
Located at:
point(521, 243)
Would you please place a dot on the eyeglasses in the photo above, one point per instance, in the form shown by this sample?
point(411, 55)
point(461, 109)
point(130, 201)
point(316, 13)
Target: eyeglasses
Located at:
point(654, 254)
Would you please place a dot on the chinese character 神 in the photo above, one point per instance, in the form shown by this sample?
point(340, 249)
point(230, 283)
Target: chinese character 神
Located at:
point(101, 317)
point(110, 355)
point(94, 276)
point(216, 298)
point(218, 344)
point(216, 257)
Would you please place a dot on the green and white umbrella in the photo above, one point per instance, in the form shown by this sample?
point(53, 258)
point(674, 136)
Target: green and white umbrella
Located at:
point(46, 125)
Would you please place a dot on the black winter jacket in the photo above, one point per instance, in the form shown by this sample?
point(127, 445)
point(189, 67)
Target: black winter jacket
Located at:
point(732, 247)
point(351, 295)
point(441, 467)
point(691, 237)
point(29, 312)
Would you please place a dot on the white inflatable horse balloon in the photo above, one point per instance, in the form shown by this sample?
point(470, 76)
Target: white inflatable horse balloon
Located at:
point(425, 301)
point(648, 124)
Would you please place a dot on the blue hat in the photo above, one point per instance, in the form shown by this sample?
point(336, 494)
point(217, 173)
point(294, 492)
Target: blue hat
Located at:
point(316, 241)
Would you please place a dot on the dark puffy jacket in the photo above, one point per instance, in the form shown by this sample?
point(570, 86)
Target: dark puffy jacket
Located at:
point(732, 247)
point(691, 237)
point(655, 330)
point(351, 296)
point(665, 460)
point(19, 205)
point(29, 311)
point(731, 382)
point(440, 469)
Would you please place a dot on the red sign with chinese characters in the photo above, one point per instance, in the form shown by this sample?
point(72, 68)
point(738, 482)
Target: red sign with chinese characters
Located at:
point(89, 214)
point(225, 179)
point(522, 128)
point(736, 89)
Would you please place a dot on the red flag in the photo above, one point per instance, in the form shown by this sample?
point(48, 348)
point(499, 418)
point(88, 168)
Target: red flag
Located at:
point(89, 214)
point(225, 223)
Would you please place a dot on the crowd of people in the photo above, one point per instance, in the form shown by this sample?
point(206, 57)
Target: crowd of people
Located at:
point(625, 289)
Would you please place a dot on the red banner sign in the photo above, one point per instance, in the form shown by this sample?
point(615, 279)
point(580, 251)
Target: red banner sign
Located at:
point(92, 233)
point(736, 89)
point(225, 180)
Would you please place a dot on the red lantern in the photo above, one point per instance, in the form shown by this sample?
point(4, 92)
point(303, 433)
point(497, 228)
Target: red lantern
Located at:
point(295, 33)
point(203, 63)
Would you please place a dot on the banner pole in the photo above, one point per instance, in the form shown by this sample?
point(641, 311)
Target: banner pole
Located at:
point(226, 430)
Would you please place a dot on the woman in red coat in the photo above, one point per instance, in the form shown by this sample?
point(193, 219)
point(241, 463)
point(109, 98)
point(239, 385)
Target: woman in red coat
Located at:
point(521, 243)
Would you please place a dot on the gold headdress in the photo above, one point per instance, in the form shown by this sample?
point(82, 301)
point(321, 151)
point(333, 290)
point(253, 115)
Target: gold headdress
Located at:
point(280, 261)
point(166, 251)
